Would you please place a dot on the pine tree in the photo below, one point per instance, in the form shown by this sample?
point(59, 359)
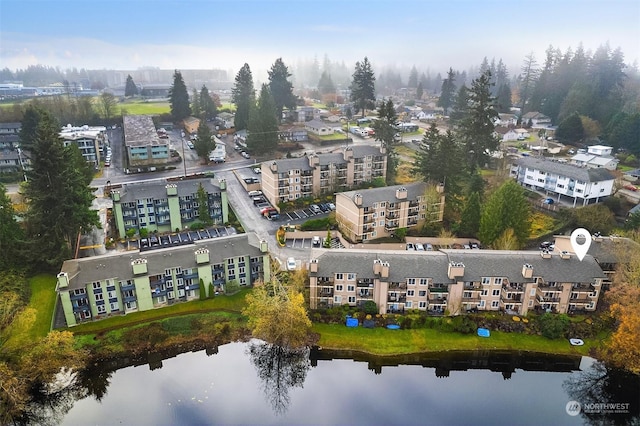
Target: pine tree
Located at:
point(130, 88)
point(204, 143)
point(207, 104)
point(506, 208)
point(413, 78)
point(179, 98)
point(439, 160)
point(29, 126)
point(203, 206)
point(477, 128)
point(503, 100)
point(58, 196)
point(447, 92)
point(570, 130)
point(363, 92)
point(263, 125)
point(470, 217)
point(325, 84)
point(243, 96)
point(196, 111)
point(281, 88)
point(419, 91)
point(460, 106)
point(385, 132)
point(11, 234)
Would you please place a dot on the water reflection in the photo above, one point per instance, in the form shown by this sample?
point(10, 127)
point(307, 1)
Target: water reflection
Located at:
point(279, 369)
point(257, 383)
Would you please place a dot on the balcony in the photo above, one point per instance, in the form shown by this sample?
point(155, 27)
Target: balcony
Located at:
point(515, 298)
point(473, 298)
point(472, 286)
point(548, 299)
point(394, 285)
point(325, 292)
point(437, 298)
point(365, 294)
point(400, 298)
point(369, 219)
point(513, 288)
point(367, 282)
point(391, 225)
point(438, 289)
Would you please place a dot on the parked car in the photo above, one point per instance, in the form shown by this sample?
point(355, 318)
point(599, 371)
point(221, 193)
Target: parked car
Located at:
point(191, 145)
point(245, 154)
point(257, 170)
point(266, 210)
point(255, 193)
point(324, 207)
point(419, 247)
point(428, 247)
point(410, 246)
point(332, 206)
point(291, 264)
point(548, 201)
point(316, 241)
point(315, 208)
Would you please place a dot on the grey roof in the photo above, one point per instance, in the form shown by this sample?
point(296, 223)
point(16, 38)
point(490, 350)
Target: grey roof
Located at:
point(331, 158)
point(287, 164)
point(606, 249)
point(568, 170)
point(583, 157)
point(386, 193)
point(360, 151)
point(157, 190)
point(507, 263)
point(315, 123)
point(118, 266)
point(602, 160)
point(14, 125)
point(402, 265)
point(139, 130)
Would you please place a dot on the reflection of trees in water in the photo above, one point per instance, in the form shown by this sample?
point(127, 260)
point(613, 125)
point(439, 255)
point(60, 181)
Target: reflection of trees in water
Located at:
point(601, 385)
point(279, 369)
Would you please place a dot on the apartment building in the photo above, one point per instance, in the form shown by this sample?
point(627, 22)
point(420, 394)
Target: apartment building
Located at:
point(167, 206)
point(564, 181)
point(378, 212)
point(89, 140)
point(93, 288)
point(292, 178)
point(144, 146)
point(456, 281)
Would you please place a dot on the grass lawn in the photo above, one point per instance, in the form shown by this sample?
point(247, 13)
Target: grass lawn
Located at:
point(405, 174)
point(380, 341)
point(139, 107)
point(34, 322)
point(233, 303)
point(335, 136)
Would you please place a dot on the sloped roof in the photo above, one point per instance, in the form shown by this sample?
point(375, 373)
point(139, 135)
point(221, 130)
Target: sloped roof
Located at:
point(567, 170)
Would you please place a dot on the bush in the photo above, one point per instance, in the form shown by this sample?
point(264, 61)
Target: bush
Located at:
point(370, 307)
point(464, 324)
point(553, 326)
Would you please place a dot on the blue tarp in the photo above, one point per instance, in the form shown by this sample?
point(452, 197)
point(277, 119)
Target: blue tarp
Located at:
point(483, 332)
point(352, 322)
point(393, 326)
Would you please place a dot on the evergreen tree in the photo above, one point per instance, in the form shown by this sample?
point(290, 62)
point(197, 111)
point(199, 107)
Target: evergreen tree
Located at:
point(204, 143)
point(385, 131)
point(281, 88)
point(58, 196)
point(179, 98)
point(419, 91)
point(326, 85)
point(528, 79)
point(623, 131)
point(363, 92)
point(203, 207)
point(447, 92)
point(130, 88)
point(439, 160)
point(506, 208)
point(207, 104)
point(29, 126)
point(570, 129)
point(263, 125)
point(477, 128)
point(461, 106)
point(11, 234)
point(243, 96)
point(503, 100)
point(196, 111)
point(413, 78)
point(470, 218)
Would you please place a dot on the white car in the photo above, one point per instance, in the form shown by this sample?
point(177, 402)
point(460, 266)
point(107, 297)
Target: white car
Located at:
point(291, 264)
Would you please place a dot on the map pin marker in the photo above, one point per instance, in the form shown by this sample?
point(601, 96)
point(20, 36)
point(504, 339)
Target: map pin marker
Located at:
point(580, 241)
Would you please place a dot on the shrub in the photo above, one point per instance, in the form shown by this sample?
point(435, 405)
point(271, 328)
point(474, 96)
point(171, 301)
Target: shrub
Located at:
point(553, 326)
point(144, 232)
point(464, 324)
point(370, 307)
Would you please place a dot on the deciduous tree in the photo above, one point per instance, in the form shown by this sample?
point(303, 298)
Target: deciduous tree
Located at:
point(11, 234)
point(107, 105)
point(243, 95)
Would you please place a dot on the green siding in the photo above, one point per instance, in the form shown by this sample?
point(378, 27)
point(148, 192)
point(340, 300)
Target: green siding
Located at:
point(67, 307)
point(117, 212)
point(205, 274)
point(266, 266)
point(174, 213)
point(143, 293)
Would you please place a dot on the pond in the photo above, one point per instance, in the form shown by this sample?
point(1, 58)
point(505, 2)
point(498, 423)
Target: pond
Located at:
point(254, 383)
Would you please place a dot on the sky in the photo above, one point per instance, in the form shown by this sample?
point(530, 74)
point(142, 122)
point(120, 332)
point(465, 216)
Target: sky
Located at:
point(216, 34)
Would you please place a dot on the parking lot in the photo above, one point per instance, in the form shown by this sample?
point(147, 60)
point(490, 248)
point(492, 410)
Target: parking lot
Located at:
point(305, 213)
point(154, 241)
point(306, 243)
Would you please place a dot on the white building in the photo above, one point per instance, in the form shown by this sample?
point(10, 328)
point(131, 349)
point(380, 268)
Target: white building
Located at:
point(577, 184)
point(600, 150)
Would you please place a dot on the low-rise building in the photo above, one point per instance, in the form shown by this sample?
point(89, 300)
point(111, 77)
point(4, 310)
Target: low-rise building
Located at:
point(318, 127)
point(93, 288)
point(586, 185)
point(89, 140)
point(293, 178)
point(378, 212)
point(144, 146)
point(167, 206)
point(456, 281)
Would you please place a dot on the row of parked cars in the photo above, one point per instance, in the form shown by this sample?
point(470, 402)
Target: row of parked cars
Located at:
point(266, 209)
point(322, 208)
point(420, 247)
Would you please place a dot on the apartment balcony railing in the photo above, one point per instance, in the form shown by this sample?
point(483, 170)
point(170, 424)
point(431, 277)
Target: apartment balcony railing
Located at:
point(548, 299)
point(472, 286)
point(325, 292)
point(438, 289)
point(515, 298)
point(395, 285)
point(513, 288)
point(397, 299)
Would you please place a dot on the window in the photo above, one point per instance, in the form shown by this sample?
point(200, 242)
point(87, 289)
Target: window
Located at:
point(495, 292)
point(99, 296)
point(230, 262)
point(381, 223)
point(530, 303)
point(169, 283)
point(484, 292)
point(411, 281)
point(532, 292)
point(497, 281)
point(131, 305)
point(167, 272)
point(411, 293)
point(408, 304)
point(352, 299)
point(180, 292)
point(375, 206)
point(423, 281)
point(485, 280)
point(337, 299)
point(114, 306)
point(112, 295)
point(422, 304)
point(102, 309)
point(422, 293)
point(339, 287)
point(351, 277)
point(339, 276)
point(466, 295)
point(495, 304)
point(481, 304)
point(171, 295)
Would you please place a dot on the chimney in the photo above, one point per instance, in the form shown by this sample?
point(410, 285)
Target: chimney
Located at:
point(313, 266)
point(377, 266)
point(348, 153)
point(264, 246)
point(384, 271)
point(223, 184)
point(546, 254)
point(202, 256)
point(440, 188)
point(115, 196)
point(172, 189)
point(314, 160)
point(63, 280)
point(401, 193)
point(565, 255)
point(527, 271)
point(357, 199)
point(139, 266)
point(274, 167)
point(456, 270)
